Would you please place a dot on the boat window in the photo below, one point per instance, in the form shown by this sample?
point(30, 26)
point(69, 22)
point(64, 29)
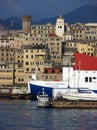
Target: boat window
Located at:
point(86, 79)
point(90, 79)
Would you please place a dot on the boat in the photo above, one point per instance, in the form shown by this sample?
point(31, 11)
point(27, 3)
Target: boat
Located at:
point(20, 93)
point(43, 99)
point(35, 86)
point(87, 77)
point(82, 94)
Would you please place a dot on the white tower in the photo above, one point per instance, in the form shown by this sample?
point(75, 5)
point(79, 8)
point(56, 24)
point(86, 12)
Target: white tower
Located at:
point(60, 26)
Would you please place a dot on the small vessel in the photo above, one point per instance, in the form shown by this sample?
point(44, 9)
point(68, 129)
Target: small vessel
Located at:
point(43, 99)
point(83, 94)
point(20, 93)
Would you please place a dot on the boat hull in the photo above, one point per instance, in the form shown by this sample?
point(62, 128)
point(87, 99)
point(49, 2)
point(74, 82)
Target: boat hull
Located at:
point(82, 96)
point(35, 89)
point(36, 86)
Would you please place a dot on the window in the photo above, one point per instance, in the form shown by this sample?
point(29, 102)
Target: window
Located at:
point(38, 69)
point(90, 79)
point(27, 63)
point(53, 71)
point(86, 79)
point(31, 50)
point(18, 79)
point(22, 79)
point(86, 37)
point(26, 56)
point(46, 77)
point(31, 56)
point(26, 50)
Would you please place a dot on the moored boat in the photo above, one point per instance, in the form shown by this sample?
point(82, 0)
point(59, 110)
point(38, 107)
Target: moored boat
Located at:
point(43, 99)
point(36, 86)
point(20, 93)
point(80, 95)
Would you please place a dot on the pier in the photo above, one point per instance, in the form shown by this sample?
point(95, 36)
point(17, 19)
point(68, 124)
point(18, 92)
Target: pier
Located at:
point(73, 104)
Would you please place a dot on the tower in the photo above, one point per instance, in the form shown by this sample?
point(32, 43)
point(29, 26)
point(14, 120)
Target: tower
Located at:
point(26, 24)
point(60, 26)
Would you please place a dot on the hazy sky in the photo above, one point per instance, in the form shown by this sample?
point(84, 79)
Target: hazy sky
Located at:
point(39, 9)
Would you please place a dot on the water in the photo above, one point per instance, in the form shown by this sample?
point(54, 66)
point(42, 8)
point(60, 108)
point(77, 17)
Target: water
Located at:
point(24, 115)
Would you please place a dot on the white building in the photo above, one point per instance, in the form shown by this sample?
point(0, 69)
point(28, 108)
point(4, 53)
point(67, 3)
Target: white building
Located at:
point(60, 26)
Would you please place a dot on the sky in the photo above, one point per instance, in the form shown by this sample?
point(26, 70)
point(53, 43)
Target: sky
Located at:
point(39, 9)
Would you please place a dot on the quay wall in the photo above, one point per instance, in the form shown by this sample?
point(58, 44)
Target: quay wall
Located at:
point(74, 104)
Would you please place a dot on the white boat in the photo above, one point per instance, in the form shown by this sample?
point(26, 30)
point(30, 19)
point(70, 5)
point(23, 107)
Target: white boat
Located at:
point(80, 95)
point(22, 93)
point(43, 99)
point(35, 86)
point(18, 90)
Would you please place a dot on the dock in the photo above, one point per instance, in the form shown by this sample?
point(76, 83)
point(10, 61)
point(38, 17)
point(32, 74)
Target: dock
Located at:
point(74, 104)
point(14, 93)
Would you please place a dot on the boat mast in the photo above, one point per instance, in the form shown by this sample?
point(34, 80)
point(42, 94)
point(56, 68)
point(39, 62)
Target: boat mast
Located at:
point(68, 74)
point(79, 72)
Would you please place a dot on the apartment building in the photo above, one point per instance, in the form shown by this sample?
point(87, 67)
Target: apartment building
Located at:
point(55, 48)
point(6, 75)
point(85, 49)
point(34, 58)
point(84, 31)
point(7, 55)
point(91, 31)
point(41, 30)
point(88, 47)
point(78, 31)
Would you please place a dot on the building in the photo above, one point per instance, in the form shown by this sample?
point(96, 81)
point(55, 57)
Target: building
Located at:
point(91, 31)
point(60, 25)
point(78, 31)
point(26, 25)
point(42, 30)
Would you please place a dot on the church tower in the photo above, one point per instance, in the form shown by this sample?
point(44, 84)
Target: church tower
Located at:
point(60, 26)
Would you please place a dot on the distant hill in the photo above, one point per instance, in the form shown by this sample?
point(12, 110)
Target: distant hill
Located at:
point(11, 23)
point(84, 14)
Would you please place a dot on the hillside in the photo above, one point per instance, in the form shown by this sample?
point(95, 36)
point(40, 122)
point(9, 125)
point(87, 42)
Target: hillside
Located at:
point(84, 14)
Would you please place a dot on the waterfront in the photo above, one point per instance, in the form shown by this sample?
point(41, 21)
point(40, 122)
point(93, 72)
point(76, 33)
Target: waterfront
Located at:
point(24, 115)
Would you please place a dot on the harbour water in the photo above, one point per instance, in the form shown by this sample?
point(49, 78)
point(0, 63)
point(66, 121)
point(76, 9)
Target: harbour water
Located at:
point(25, 115)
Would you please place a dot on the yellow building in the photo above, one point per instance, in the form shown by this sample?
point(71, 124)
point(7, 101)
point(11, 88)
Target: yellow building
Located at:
point(34, 58)
point(40, 30)
point(86, 49)
point(6, 76)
